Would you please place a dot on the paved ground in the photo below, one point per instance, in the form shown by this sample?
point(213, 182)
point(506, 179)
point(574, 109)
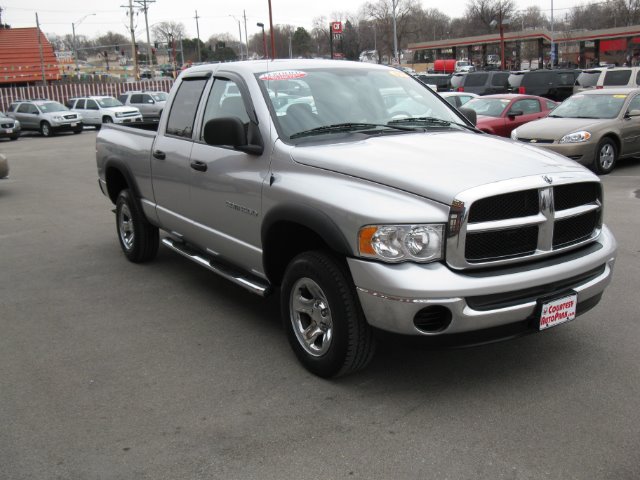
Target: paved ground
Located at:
point(110, 370)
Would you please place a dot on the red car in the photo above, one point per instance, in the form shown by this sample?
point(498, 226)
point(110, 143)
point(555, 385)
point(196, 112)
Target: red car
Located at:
point(499, 114)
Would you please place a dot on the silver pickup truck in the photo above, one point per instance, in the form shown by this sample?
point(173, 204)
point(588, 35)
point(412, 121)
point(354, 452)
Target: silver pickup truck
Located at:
point(310, 178)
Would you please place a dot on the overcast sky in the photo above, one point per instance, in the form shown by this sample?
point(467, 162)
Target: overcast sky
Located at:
point(56, 16)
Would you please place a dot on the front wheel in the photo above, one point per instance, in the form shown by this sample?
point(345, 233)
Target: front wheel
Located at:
point(138, 238)
point(107, 120)
point(323, 318)
point(15, 137)
point(77, 130)
point(45, 129)
point(606, 156)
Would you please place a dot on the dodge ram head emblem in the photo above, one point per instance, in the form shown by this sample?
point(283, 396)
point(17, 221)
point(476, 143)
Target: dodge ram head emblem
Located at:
point(547, 179)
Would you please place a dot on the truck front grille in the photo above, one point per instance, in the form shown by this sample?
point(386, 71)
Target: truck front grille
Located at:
point(523, 225)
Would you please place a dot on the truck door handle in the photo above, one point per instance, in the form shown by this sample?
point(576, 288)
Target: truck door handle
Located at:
point(200, 166)
point(159, 155)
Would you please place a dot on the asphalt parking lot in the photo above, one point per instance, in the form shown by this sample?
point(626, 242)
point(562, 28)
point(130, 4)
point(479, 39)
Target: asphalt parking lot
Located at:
point(110, 370)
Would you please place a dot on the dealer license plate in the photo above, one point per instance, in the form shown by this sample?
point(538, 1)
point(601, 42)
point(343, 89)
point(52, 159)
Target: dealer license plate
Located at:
point(558, 311)
point(9, 130)
point(74, 124)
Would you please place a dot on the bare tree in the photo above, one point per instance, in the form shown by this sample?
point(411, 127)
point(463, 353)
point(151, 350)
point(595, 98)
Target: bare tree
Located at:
point(167, 32)
point(482, 14)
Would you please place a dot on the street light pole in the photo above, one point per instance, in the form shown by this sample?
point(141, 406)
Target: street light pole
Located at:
point(264, 40)
point(75, 47)
point(394, 4)
point(273, 40)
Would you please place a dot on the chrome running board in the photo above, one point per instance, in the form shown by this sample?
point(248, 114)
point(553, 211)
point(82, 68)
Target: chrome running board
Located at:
point(245, 280)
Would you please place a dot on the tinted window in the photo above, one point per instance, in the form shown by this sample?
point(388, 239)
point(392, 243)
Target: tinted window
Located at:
point(12, 107)
point(476, 80)
point(499, 79)
point(24, 108)
point(122, 99)
point(638, 78)
point(92, 105)
point(566, 79)
point(136, 98)
point(147, 98)
point(537, 79)
point(80, 104)
point(617, 77)
point(184, 107)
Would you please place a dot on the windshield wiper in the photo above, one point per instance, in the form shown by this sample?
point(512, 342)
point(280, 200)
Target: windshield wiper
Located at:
point(555, 116)
point(439, 122)
point(346, 127)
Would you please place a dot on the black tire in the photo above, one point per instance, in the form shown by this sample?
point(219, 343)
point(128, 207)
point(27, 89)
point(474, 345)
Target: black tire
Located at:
point(77, 130)
point(606, 156)
point(343, 342)
point(107, 119)
point(15, 137)
point(45, 129)
point(138, 238)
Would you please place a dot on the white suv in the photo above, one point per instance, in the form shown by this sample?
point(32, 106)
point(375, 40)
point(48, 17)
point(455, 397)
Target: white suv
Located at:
point(619, 77)
point(99, 110)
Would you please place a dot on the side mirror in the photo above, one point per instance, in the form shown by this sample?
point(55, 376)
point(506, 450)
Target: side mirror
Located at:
point(633, 113)
point(150, 101)
point(470, 115)
point(515, 113)
point(230, 132)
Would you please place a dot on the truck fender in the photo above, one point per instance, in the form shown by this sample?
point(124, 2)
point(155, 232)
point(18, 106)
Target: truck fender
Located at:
point(115, 186)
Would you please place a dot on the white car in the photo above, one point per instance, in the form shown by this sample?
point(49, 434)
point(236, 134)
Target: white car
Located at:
point(98, 110)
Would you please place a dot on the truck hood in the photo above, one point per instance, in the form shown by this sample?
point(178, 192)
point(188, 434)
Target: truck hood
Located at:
point(433, 165)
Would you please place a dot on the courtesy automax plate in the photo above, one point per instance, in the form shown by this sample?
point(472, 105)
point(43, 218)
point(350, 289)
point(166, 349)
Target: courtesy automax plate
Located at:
point(558, 311)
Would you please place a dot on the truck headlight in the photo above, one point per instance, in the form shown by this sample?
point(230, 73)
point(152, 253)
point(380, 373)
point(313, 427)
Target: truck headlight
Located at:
point(58, 119)
point(401, 243)
point(514, 134)
point(576, 137)
point(118, 114)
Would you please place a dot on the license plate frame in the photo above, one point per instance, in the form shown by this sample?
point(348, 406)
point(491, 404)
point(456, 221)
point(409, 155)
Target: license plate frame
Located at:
point(557, 310)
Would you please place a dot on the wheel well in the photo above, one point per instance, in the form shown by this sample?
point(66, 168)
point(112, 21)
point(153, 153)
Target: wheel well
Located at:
point(283, 242)
point(106, 117)
point(615, 140)
point(116, 182)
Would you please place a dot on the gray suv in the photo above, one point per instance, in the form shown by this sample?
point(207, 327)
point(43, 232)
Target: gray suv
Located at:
point(149, 103)
point(46, 116)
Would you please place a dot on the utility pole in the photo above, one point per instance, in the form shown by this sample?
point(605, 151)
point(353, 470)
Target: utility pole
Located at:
point(44, 77)
point(144, 7)
point(273, 39)
point(395, 33)
point(134, 50)
point(198, 32)
point(246, 39)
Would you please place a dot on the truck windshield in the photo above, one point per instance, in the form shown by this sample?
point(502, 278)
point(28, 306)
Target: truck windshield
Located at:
point(50, 107)
point(312, 99)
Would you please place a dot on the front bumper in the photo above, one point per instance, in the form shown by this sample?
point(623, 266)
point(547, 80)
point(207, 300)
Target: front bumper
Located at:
point(583, 153)
point(10, 132)
point(120, 120)
point(67, 126)
point(392, 295)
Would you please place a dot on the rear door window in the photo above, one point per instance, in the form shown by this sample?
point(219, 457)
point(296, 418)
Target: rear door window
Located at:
point(566, 79)
point(184, 107)
point(515, 79)
point(616, 77)
point(537, 79)
point(588, 78)
point(499, 79)
point(80, 104)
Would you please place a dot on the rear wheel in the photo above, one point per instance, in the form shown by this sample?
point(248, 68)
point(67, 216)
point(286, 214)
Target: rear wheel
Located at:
point(45, 129)
point(322, 315)
point(138, 238)
point(606, 156)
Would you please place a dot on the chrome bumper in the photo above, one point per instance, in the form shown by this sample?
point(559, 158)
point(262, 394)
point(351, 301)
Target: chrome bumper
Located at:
point(391, 295)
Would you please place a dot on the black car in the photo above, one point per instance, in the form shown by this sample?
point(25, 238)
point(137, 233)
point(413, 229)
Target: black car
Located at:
point(555, 85)
point(484, 83)
point(440, 80)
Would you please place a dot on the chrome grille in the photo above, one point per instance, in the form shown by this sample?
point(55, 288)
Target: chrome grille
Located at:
point(541, 216)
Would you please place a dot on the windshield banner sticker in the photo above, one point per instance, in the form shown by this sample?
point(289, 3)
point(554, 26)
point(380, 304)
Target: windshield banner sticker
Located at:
point(282, 75)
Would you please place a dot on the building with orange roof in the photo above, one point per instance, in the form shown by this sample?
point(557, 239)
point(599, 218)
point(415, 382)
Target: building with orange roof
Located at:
point(20, 61)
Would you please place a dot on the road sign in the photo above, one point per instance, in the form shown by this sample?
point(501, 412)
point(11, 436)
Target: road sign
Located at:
point(336, 27)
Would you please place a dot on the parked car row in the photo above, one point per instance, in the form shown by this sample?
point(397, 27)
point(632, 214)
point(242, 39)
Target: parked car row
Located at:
point(556, 84)
point(50, 117)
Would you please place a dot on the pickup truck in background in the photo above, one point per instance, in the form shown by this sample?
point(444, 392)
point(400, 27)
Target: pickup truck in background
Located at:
point(304, 178)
